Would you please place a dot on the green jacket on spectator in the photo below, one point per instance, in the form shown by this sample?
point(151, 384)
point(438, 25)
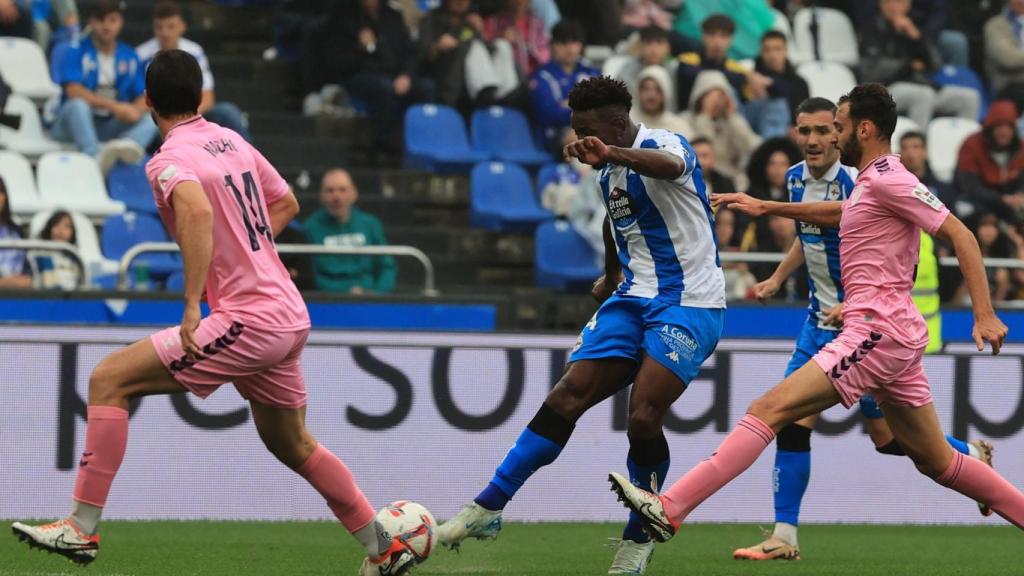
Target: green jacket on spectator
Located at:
point(342, 273)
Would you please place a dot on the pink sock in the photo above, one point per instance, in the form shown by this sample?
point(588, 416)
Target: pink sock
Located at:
point(736, 453)
point(333, 480)
point(977, 481)
point(106, 437)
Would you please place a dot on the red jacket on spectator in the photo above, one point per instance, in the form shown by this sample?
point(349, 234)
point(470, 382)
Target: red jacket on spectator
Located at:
point(980, 176)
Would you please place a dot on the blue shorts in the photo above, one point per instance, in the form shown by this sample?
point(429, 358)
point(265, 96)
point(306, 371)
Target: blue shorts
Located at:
point(808, 343)
point(679, 337)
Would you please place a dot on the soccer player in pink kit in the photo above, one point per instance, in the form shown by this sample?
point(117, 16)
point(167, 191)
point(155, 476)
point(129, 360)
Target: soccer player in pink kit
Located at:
point(880, 349)
point(224, 203)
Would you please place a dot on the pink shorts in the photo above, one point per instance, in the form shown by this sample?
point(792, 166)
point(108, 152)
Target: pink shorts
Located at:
point(264, 365)
point(863, 361)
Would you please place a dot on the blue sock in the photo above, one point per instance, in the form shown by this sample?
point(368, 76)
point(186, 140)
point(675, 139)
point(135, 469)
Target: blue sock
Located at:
point(538, 445)
point(792, 472)
point(653, 452)
point(958, 445)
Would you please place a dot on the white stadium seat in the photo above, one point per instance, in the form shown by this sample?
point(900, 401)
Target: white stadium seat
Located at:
point(29, 139)
point(837, 41)
point(903, 125)
point(21, 185)
point(73, 181)
point(796, 55)
point(614, 64)
point(945, 135)
point(827, 79)
point(23, 66)
point(88, 242)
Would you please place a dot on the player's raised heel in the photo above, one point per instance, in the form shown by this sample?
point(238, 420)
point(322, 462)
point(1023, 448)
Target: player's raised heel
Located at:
point(397, 561)
point(473, 521)
point(646, 504)
point(985, 451)
point(61, 537)
point(771, 549)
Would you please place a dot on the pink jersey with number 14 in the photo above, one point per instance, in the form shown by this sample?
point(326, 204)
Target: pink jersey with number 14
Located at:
point(246, 278)
point(880, 240)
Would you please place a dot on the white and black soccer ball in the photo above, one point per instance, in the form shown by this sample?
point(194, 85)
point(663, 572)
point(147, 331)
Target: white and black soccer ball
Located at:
point(412, 524)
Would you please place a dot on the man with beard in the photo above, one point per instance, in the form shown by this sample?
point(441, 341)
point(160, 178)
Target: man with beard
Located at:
point(882, 344)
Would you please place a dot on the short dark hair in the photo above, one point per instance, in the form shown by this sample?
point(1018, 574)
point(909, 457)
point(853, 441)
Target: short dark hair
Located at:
point(167, 9)
point(653, 34)
point(718, 23)
point(914, 134)
point(51, 223)
point(774, 35)
point(102, 8)
point(700, 140)
point(872, 102)
point(568, 31)
point(174, 83)
point(815, 104)
point(600, 92)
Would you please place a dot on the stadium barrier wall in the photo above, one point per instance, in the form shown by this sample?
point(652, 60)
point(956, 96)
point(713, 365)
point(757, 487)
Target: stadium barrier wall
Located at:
point(427, 416)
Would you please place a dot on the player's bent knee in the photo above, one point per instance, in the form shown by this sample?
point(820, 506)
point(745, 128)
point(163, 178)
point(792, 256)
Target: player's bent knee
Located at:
point(571, 397)
point(104, 387)
point(292, 454)
point(645, 419)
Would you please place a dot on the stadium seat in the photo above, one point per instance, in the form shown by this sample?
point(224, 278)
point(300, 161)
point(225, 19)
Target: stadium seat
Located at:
point(903, 125)
point(962, 76)
point(837, 41)
point(435, 140)
point(945, 135)
point(504, 134)
point(127, 183)
point(564, 260)
point(781, 23)
point(29, 139)
point(23, 66)
point(175, 282)
point(72, 180)
point(827, 79)
point(123, 231)
point(554, 172)
point(16, 173)
point(88, 243)
point(502, 198)
point(614, 64)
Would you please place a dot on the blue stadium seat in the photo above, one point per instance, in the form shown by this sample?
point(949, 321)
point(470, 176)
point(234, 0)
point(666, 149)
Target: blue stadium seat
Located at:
point(564, 260)
point(435, 140)
point(502, 198)
point(963, 76)
point(127, 183)
point(123, 231)
point(504, 134)
point(175, 282)
point(560, 172)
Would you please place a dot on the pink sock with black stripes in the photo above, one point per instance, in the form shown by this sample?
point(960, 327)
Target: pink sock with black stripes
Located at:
point(736, 453)
point(974, 479)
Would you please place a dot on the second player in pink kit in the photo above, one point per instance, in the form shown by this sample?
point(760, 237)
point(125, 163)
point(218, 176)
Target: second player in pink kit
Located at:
point(224, 203)
point(880, 349)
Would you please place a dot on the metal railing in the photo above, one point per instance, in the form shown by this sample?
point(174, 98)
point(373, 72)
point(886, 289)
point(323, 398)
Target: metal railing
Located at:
point(84, 281)
point(776, 257)
point(314, 249)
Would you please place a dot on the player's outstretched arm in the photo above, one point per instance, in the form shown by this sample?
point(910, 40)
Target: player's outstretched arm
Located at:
point(823, 213)
point(644, 161)
point(194, 230)
point(987, 326)
point(282, 211)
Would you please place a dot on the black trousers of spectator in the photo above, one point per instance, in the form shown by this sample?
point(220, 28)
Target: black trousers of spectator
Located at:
point(377, 91)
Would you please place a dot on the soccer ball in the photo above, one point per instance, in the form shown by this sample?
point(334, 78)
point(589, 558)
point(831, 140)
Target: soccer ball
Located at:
point(412, 524)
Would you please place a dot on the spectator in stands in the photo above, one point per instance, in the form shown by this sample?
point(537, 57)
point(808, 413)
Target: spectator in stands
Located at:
point(994, 243)
point(299, 266)
point(14, 270)
point(54, 15)
point(574, 195)
point(1004, 51)
point(914, 155)
point(931, 17)
point(753, 17)
point(169, 29)
point(340, 223)
point(773, 62)
point(16, 18)
point(738, 279)
point(380, 62)
point(57, 269)
point(602, 19)
point(104, 109)
point(990, 169)
point(768, 166)
point(715, 181)
point(524, 31)
point(551, 83)
point(712, 114)
point(652, 107)
point(451, 38)
point(638, 15)
point(895, 52)
point(547, 11)
point(767, 115)
point(654, 51)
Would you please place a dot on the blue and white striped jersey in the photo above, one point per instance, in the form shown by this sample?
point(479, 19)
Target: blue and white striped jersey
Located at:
point(664, 229)
point(820, 244)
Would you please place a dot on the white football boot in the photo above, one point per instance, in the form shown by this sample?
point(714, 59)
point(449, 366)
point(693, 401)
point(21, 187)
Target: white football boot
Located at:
point(61, 537)
point(647, 505)
point(396, 561)
point(473, 521)
point(632, 557)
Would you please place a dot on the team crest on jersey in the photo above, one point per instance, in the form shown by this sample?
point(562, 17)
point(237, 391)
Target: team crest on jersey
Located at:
point(621, 207)
point(833, 192)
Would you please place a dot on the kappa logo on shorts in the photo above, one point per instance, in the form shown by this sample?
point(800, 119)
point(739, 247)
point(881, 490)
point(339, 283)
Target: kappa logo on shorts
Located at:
point(211, 349)
point(673, 356)
point(858, 355)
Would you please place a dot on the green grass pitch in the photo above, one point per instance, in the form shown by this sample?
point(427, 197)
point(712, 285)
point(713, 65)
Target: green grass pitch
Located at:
point(308, 548)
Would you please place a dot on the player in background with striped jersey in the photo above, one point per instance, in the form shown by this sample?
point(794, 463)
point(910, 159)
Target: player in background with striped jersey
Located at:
point(663, 297)
point(820, 177)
